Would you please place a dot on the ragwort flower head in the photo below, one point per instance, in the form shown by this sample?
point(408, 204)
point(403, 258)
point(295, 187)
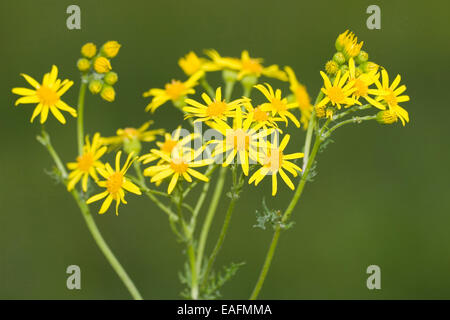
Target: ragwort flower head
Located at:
point(86, 163)
point(47, 96)
point(115, 183)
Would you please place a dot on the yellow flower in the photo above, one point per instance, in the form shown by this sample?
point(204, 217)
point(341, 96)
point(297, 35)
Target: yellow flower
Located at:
point(129, 134)
point(392, 95)
point(178, 165)
point(86, 163)
point(111, 49)
point(102, 65)
point(348, 44)
point(302, 97)
point(47, 95)
point(83, 64)
point(174, 91)
point(89, 50)
point(277, 105)
point(259, 117)
point(108, 93)
point(337, 93)
point(116, 184)
point(362, 83)
point(387, 117)
point(192, 64)
point(218, 110)
point(240, 141)
point(246, 65)
point(273, 162)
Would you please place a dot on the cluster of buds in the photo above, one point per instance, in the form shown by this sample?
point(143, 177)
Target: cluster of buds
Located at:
point(347, 47)
point(96, 68)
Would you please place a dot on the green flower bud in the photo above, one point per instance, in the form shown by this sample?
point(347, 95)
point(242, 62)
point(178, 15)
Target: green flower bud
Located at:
point(108, 93)
point(344, 68)
point(83, 64)
point(331, 67)
point(339, 58)
point(111, 78)
point(386, 117)
point(95, 86)
point(369, 66)
point(362, 57)
point(132, 145)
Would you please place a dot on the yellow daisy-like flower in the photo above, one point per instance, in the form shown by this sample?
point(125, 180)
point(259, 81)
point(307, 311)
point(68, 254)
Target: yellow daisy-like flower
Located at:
point(86, 164)
point(130, 134)
point(302, 97)
point(259, 117)
point(277, 105)
point(174, 91)
point(116, 184)
point(177, 165)
point(362, 83)
point(348, 44)
point(274, 162)
point(391, 94)
point(337, 94)
point(47, 95)
point(217, 110)
point(171, 143)
point(239, 141)
point(247, 65)
point(191, 64)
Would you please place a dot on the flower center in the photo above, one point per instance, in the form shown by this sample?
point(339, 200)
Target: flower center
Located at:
point(274, 160)
point(278, 105)
point(336, 95)
point(216, 109)
point(175, 89)
point(47, 96)
point(259, 115)
point(179, 166)
point(114, 183)
point(391, 99)
point(239, 139)
point(252, 65)
point(168, 146)
point(85, 161)
point(361, 88)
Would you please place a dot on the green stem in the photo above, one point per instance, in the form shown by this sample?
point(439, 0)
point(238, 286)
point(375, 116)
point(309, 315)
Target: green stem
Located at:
point(235, 191)
point(352, 120)
point(210, 215)
point(90, 222)
point(351, 110)
point(205, 84)
point(115, 264)
point(80, 113)
point(229, 85)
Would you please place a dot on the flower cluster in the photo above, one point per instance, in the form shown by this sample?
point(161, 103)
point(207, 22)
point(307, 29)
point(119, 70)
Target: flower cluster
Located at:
point(96, 68)
point(351, 78)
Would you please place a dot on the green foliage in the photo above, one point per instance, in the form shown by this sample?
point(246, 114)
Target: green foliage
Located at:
point(217, 280)
point(270, 216)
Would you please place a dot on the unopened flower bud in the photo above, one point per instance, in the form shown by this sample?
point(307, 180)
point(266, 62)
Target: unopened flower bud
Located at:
point(386, 117)
point(83, 64)
point(331, 67)
point(132, 145)
point(95, 86)
point(320, 111)
point(108, 93)
point(111, 78)
point(339, 58)
point(102, 65)
point(368, 66)
point(344, 68)
point(89, 50)
point(362, 57)
point(111, 48)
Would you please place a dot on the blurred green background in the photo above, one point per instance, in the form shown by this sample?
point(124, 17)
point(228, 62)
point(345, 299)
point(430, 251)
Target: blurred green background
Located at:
point(381, 195)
